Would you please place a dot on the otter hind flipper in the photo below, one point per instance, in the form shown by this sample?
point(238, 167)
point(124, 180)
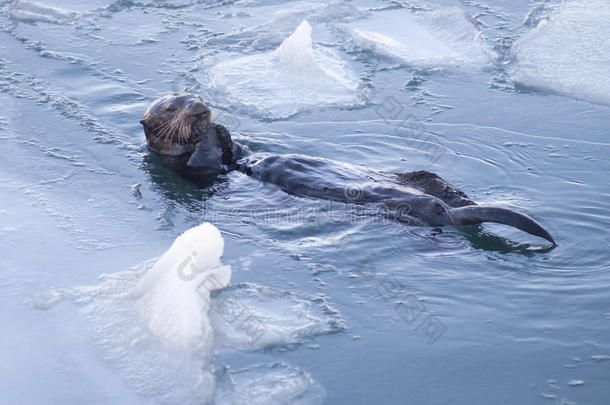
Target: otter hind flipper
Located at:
point(474, 214)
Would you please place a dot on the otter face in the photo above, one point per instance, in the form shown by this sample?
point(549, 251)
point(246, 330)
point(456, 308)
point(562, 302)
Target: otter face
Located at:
point(169, 123)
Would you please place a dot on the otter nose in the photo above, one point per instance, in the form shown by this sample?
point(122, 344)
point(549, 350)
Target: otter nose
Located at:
point(198, 108)
point(196, 111)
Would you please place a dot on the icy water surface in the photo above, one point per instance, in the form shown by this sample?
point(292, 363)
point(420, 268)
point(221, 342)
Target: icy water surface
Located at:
point(507, 100)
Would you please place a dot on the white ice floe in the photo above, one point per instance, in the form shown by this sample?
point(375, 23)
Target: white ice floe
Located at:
point(268, 384)
point(161, 323)
point(568, 53)
point(252, 316)
point(118, 5)
point(33, 12)
point(175, 293)
point(281, 24)
point(293, 78)
point(438, 38)
point(326, 12)
point(46, 299)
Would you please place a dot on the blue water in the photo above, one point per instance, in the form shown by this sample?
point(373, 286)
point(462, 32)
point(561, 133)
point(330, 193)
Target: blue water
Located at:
point(459, 316)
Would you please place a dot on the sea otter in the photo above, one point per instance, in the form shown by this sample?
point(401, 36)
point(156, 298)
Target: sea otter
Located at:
point(178, 126)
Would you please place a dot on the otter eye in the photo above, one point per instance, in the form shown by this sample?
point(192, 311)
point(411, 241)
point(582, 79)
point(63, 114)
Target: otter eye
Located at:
point(169, 107)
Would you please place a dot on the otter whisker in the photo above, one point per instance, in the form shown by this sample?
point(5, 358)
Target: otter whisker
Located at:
point(175, 129)
point(179, 131)
point(161, 129)
point(155, 131)
point(164, 135)
point(171, 129)
point(169, 132)
point(175, 125)
point(164, 125)
point(185, 132)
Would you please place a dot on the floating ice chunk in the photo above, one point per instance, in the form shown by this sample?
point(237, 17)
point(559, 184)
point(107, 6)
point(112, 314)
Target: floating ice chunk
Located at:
point(153, 323)
point(296, 50)
point(268, 35)
point(175, 294)
point(269, 385)
point(46, 299)
point(568, 53)
point(441, 37)
point(254, 317)
point(333, 11)
point(295, 77)
point(32, 12)
point(167, 375)
point(119, 5)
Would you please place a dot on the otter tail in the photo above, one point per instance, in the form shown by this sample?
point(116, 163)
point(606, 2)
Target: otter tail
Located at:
point(474, 214)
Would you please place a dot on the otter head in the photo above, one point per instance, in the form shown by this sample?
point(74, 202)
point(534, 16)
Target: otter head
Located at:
point(171, 122)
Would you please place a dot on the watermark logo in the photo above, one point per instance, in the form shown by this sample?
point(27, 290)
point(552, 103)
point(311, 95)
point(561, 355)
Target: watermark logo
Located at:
point(389, 110)
point(365, 93)
point(405, 302)
point(403, 213)
point(366, 270)
point(411, 308)
point(354, 192)
point(232, 310)
point(187, 269)
point(409, 128)
point(237, 314)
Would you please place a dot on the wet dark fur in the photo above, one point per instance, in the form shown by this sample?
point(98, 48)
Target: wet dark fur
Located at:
point(169, 120)
point(432, 184)
point(421, 196)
